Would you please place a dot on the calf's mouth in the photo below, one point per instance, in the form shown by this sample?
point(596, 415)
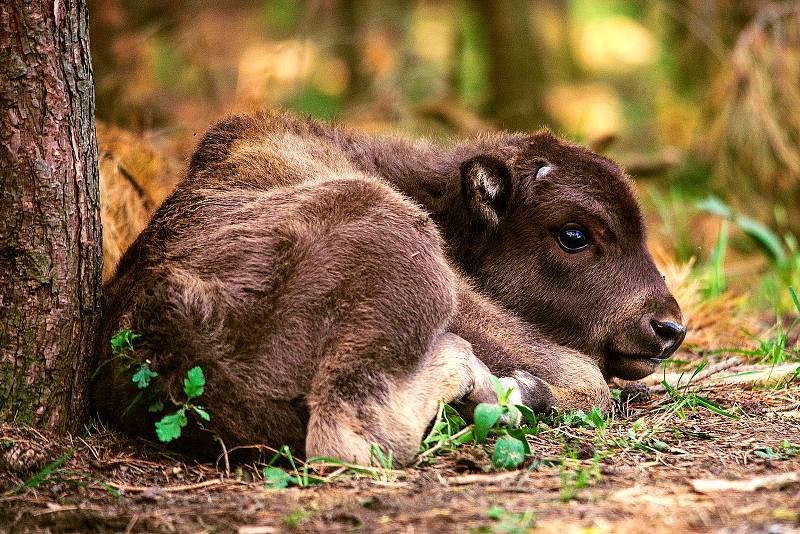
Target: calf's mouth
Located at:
point(641, 352)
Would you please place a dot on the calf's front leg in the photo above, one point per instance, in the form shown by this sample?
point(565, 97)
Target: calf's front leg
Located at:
point(549, 375)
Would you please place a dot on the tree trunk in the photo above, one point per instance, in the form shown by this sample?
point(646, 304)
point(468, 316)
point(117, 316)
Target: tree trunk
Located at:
point(50, 236)
point(516, 74)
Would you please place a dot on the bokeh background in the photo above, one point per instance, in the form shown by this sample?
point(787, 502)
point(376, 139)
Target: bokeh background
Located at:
point(698, 99)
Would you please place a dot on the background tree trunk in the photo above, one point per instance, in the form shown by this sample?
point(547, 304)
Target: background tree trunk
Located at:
point(50, 235)
point(516, 74)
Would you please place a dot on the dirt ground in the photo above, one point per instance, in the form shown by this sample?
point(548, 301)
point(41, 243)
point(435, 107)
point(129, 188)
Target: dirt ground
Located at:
point(649, 470)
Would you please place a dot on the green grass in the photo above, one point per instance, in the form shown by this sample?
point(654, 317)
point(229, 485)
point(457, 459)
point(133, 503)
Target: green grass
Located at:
point(322, 469)
point(790, 380)
point(574, 476)
point(774, 348)
point(45, 474)
point(55, 473)
point(645, 439)
point(781, 252)
point(277, 478)
point(294, 519)
point(674, 210)
point(508, 522)
point(716, 283)
point(683, 400)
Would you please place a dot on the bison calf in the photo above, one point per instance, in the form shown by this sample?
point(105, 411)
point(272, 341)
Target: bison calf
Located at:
point(335, 286)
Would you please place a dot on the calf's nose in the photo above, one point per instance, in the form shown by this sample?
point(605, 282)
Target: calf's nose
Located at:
point(670, 333)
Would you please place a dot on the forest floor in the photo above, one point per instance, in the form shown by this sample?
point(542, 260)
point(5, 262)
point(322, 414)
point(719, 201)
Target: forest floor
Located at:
point(667, 464)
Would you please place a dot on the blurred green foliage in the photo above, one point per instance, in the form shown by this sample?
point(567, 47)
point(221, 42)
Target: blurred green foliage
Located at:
point(693, 97)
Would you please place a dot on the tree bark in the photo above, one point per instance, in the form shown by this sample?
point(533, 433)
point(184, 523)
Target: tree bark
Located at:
point(50, 235)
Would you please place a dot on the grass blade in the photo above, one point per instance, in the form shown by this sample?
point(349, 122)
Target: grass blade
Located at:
point(36, 480)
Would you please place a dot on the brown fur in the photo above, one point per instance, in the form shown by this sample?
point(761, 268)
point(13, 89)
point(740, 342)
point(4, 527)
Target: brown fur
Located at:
point(318, 277)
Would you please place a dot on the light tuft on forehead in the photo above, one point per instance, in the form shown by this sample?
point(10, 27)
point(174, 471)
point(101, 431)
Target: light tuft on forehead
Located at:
point(587, 179)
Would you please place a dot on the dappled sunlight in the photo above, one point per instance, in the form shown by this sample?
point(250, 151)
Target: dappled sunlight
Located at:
point(332, 76)
point(590, 111)
point(433, 36)
point(615, 44)
point(379, 52)
point(267, 71)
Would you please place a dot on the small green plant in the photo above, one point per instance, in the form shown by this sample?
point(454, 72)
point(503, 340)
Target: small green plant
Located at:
point(143, 376)
point(784, 451)
point(578, 418)
point(448, 432)
point(277, 478)
point(169, 427)
point(509, 423)
point(122, 342)
point(510, 522)
point(681, 401)
point(503, 419)
point(122, 348)
point(297, 517)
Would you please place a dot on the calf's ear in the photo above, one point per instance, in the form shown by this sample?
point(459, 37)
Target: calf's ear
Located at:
point(486, 184)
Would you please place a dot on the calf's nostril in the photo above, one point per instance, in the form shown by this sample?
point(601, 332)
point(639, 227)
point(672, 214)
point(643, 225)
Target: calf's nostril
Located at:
point(672, 333)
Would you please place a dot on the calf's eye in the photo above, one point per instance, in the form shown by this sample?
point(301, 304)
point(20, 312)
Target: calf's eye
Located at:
point(572, 238)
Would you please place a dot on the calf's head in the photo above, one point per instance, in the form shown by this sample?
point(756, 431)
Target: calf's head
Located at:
point(560, 239)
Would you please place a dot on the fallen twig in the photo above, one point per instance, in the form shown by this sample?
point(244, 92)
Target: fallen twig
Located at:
point(224, 455)
point(480, 477)
point(256, 529)
point(787, 408)
point(53, 508)
point(753, 484)
point(171, 489)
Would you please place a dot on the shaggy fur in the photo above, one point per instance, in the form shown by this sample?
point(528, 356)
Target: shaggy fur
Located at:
point(326, 280)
